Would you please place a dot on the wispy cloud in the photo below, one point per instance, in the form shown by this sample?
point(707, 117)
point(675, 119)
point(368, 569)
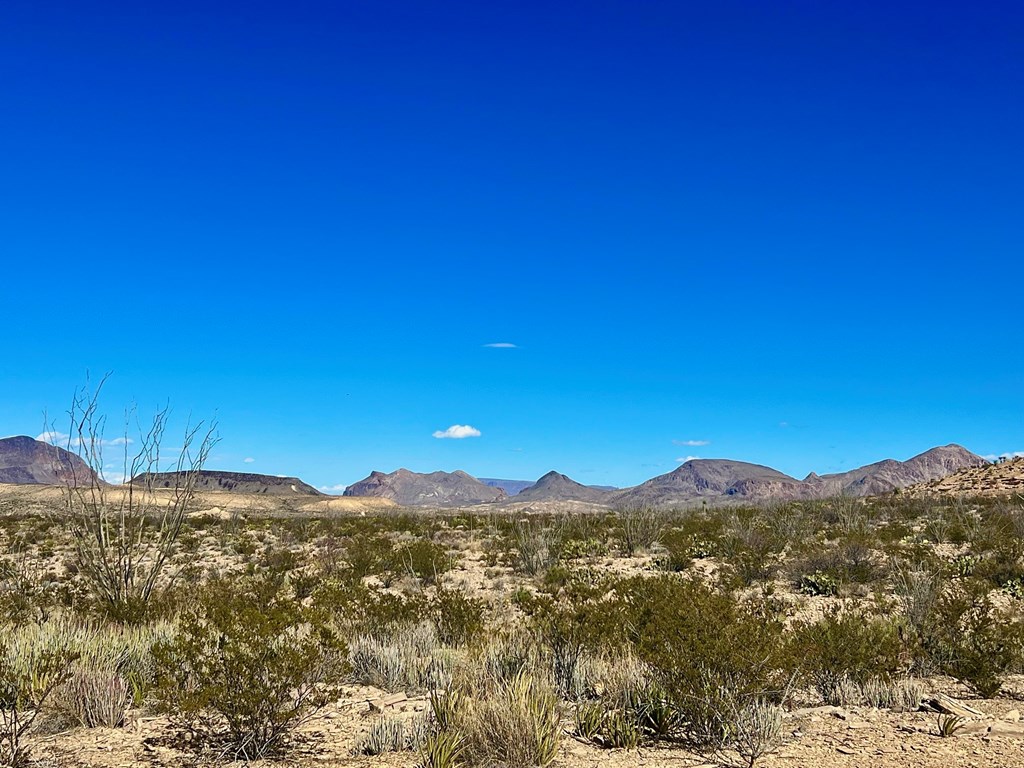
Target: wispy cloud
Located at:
point(248, 460)
point(685, 459)
point(692, 443)
point(457, 432)
point(61, 439)
point(502, 345)
point(333, 488)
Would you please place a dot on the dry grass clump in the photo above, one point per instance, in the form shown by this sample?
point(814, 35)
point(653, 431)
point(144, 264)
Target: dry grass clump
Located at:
point(409, 658)
point(392, 734)
point(757, 730)
point(513, 723)
point(112, 667)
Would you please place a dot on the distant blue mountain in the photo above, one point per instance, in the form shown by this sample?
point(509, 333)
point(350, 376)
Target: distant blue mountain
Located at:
point(511, 487)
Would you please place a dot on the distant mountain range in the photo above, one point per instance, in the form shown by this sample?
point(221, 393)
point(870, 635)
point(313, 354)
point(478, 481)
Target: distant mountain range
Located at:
point(718, 479)
point(27, 461)
point(511, 487)
point(712, 480)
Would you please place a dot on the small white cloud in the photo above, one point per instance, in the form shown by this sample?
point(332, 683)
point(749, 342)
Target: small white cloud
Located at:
point(692, 443)
point(248, 460)
point(502, 345)
point(783, 424)
point(685, 459)
point(457, 432)
point(333, 488)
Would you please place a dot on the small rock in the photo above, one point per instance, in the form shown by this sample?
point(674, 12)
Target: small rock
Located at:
point(1007, 730)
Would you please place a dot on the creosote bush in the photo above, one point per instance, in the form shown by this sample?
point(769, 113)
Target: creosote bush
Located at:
point(846, 645)
point(249, 664)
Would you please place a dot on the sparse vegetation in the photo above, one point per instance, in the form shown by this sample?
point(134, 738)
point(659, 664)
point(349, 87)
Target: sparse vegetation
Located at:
point(517, 629)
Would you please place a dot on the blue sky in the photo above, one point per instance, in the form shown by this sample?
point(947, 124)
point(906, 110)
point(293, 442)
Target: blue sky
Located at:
point(787, 233)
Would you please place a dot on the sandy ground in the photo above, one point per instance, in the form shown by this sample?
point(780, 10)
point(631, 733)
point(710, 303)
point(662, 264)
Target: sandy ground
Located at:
point(813, 737)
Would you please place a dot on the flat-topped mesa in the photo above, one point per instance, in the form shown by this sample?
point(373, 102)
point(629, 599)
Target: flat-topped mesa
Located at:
point(432, 489)
point(26, 461)
point(232, 482)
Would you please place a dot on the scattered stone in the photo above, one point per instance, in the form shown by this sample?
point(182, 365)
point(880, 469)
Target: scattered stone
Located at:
point(1006, 730)
point(381, 703)
point(971, 728)
point(947, 705)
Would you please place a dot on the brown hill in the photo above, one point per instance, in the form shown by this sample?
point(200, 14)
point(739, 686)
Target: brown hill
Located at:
point(1004, 478)
point(700, 479)
point(235, 482)
point(433, 489)
point(25, 461)
point(555, 486)
point(722, 480)
point(888, 475)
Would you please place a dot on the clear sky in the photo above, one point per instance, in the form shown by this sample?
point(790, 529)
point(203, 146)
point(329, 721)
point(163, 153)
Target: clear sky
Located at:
point(781, 232)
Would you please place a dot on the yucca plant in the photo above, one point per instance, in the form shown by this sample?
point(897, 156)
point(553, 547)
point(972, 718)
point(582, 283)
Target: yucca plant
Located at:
point(442, 749)
point(948, 725)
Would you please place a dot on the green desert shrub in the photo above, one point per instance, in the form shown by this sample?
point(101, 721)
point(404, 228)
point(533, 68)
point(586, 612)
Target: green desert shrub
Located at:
point(367, 554)
point(573, 619)
point(357, 609)
point(710, 653)
point(973, 640)
point(535, 546)
point(423, 559)
point(249, 664)
point(847, 645)
point(639, 528)
point(459, 618)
